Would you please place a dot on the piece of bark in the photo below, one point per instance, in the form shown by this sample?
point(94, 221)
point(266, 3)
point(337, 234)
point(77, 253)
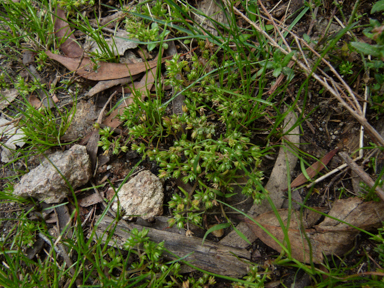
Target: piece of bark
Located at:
point(211, 256)
point(81, 124)
point(35, 249)
point(110, 20)
point(105, 71)
point(276, 185)
point(92, 147)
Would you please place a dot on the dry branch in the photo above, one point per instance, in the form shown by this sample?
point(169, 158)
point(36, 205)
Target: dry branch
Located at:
point(211, 256)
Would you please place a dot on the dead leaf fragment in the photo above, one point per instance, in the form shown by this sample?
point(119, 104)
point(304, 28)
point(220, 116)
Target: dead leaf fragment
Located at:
point(7, 96)
point(14, 137)
point(34, 101)
point(118, 44)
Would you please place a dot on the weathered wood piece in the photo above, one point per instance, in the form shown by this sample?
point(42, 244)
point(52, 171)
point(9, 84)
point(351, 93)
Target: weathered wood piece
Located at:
point(211, 256)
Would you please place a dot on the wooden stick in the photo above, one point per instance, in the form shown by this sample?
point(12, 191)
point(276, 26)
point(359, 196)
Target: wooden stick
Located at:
point(211, 256)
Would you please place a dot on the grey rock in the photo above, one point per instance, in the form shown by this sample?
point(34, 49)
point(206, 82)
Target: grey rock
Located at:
point(46, 184)
point(142, 196)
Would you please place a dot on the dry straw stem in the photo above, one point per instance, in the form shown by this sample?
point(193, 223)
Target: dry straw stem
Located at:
point(353, 108)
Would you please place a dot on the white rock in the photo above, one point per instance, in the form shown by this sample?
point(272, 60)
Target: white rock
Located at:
point(46, 184)
point(142, 196)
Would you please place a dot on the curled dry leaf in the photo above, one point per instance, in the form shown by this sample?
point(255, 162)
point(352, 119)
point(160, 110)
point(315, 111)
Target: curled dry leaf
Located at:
point(329, 237)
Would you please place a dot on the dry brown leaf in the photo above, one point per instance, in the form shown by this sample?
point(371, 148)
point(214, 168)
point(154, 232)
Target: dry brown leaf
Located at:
point(70, 47)
point(329, 237)
point(105, 71)
point(314, 169)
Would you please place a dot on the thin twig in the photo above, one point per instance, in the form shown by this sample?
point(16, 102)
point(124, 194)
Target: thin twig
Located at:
point(100, 118)
point(330, 173)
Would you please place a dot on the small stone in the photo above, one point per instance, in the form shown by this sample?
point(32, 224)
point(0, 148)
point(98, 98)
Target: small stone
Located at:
point(142, 196)
point(46, 184)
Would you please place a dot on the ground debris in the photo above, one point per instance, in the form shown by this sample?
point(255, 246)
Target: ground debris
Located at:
point(46, 184)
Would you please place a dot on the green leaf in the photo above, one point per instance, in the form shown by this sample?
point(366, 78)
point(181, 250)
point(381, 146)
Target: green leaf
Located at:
point(151, 46)
point(196, 162)
point(230, 195)
point(276, 72)
point(289, 73)
point(215, 228)
point(304, 171)
point(244, 37)
point(366, 48)
point(154, 26)
point(241, 235)
point(306, 38)
point(287, 58)
point(378, 6)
